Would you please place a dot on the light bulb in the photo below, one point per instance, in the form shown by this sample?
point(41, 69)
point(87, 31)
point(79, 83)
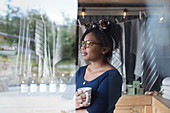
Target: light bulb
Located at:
point(83, 13)
point(124, 13)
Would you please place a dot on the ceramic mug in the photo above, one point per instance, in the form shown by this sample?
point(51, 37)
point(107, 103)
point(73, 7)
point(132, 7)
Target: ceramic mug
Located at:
point(87, 91)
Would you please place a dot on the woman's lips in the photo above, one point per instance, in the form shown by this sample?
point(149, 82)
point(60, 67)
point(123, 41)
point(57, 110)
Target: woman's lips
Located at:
point(83, 53)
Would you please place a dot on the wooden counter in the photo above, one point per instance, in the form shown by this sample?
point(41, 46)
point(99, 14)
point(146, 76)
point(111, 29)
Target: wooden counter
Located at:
point(160, 105)
point(142, 104)
point(134, 104)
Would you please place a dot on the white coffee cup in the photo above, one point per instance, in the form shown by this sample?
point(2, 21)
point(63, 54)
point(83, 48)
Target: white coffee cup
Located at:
point(87, 93)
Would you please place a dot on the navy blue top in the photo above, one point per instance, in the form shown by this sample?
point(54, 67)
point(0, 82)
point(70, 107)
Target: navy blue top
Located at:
point(106, 90)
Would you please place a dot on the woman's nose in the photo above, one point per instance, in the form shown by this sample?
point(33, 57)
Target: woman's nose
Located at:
point(83, 46)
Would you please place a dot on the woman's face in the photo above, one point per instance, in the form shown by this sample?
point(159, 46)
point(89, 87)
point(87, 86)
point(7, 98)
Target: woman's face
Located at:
point(92, 51)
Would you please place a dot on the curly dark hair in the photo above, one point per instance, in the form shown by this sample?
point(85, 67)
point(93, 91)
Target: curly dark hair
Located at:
point(112, 31)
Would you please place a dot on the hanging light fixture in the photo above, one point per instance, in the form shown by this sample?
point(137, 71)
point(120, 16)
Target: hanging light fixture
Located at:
point(124, 13)
point(83, 13)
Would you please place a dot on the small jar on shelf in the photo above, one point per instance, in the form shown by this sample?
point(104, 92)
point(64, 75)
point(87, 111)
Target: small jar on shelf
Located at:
point(24, 84)
point(34, 84)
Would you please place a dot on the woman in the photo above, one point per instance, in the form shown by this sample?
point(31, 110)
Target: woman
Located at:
point(97, 44)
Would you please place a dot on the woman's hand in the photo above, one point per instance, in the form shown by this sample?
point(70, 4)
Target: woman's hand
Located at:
point(153, 93)
point(80, 98)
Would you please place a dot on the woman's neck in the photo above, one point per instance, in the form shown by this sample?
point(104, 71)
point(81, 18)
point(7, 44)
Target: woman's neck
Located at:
point(98, 64)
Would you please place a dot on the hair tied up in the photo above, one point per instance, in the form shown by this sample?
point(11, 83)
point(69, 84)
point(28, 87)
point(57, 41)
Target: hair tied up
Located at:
point(102, 25)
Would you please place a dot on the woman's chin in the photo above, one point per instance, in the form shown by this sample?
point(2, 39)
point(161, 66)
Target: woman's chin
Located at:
point(84, 58)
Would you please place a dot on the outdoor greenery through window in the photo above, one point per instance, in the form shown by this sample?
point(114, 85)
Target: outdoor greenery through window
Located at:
point(32, 42)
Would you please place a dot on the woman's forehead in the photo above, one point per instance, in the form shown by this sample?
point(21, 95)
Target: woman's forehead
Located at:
point(90, 36)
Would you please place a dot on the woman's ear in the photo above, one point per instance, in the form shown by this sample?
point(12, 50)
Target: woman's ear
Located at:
point(105, 50)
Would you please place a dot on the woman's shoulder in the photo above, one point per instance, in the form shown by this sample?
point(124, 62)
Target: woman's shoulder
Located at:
point(114, 75)
point(110, 74)
point(112, 69)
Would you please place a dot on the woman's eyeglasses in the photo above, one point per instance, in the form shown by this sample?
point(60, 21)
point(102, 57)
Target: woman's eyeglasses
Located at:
point(87, 43)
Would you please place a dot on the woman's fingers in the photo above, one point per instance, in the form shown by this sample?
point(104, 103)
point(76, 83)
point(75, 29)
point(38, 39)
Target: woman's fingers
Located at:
point(78, 93)
point(87, 104)
point(80, 98)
